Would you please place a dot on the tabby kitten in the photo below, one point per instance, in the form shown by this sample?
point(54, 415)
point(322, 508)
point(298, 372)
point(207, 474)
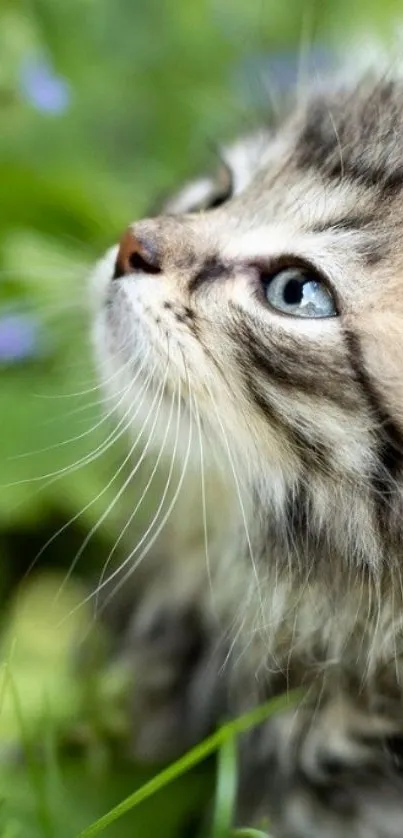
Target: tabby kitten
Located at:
point(262, 313)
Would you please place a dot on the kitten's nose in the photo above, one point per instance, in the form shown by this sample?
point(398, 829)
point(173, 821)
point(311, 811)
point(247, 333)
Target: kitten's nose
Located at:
point(136, 254)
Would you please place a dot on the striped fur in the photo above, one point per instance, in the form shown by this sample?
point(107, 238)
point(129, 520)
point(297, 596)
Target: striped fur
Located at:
point(309, 417)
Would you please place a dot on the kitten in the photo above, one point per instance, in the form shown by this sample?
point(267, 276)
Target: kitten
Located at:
point(262, 313)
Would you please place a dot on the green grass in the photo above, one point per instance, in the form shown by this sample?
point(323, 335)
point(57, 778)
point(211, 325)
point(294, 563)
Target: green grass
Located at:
point(224, 742)
point(44, 777)
point(63, 773)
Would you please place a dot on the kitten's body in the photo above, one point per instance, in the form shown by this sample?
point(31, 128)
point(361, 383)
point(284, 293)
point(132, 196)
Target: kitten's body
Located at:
point(309, 416)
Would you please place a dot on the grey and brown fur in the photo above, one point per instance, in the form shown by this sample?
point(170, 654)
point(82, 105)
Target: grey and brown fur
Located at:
point(306, 570)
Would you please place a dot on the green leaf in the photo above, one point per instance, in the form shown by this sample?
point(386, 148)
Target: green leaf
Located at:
point(192, 758)
point(226, 789)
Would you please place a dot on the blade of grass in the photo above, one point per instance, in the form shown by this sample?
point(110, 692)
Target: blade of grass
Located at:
point(192, 758)
point(226, 789)
point(35, 773)
point(249, 833)
point(52, 780)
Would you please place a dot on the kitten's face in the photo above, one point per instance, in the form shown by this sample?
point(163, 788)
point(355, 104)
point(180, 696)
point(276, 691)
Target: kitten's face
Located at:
point(277, 313)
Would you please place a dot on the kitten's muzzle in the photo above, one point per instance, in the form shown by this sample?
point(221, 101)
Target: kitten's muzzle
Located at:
point(136, 254)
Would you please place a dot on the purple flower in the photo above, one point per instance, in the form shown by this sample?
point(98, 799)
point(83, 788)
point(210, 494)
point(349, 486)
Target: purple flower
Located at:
point(42, 87)
point(19, 338)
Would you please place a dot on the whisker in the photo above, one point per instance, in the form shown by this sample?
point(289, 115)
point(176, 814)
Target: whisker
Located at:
point(90, 503)
point(105, 418)
point(160, 526)
point(156, 533)
point(158, 396)
point(75, 394)
point(202, 479)
point(114, 435)
point(239, 495)
point(99, 385)
point(203, 496)
point(101, 402)
point(94, 500)
point(139, 502)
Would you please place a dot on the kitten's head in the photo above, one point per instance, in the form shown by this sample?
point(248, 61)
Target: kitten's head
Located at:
point(269, 303)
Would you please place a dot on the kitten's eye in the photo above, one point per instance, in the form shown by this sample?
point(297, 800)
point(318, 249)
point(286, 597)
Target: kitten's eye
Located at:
point(299, 292)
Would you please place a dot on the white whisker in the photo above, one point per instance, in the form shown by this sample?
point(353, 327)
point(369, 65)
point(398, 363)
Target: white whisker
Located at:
point(122, 392)
point(139, 502)
point(75, 394)
point(239, 495)
point(159, 395)
point(156, 533)
point(114, 435)
point(90, 503)
point(161, 524)
point(202, 478)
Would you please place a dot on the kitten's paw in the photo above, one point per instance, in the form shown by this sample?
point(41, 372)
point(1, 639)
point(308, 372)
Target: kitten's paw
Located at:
point(179, 688)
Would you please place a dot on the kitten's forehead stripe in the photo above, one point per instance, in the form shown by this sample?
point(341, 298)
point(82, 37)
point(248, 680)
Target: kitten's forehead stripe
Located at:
point(389, 438)
point(389, 434)
point(212, 268)
point(292, 364)
point(372, 247)
point(312, 450)
point(346, 223)
point(355, 135)
point(270, 411)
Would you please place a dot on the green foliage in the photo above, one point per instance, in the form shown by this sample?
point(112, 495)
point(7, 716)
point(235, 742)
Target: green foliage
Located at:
point(104, 106)
point(222, 740)
point(226, 788)
point(47, 708)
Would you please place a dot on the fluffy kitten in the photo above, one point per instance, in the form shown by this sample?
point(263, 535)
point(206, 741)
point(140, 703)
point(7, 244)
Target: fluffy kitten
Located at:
point(263, 313)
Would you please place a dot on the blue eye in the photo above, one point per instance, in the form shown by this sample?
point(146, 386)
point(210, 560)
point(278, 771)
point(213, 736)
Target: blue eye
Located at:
point(300, 293)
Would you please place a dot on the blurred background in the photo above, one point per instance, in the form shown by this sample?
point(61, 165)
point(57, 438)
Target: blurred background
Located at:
point(105, 105)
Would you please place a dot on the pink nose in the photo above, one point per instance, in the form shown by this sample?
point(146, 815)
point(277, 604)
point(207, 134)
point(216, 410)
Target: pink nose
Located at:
point(136, 254)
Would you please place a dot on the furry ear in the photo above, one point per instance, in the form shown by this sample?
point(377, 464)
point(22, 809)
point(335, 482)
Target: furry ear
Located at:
point(198, 194)
point(237, 164)
point(201, 194)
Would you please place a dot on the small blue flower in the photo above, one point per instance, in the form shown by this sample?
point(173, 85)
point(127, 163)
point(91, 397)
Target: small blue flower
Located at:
point(19, 338)
point(42, 87)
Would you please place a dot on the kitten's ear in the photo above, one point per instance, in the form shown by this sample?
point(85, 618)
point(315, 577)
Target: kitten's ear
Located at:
point(202, 193)
point(238, 163)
